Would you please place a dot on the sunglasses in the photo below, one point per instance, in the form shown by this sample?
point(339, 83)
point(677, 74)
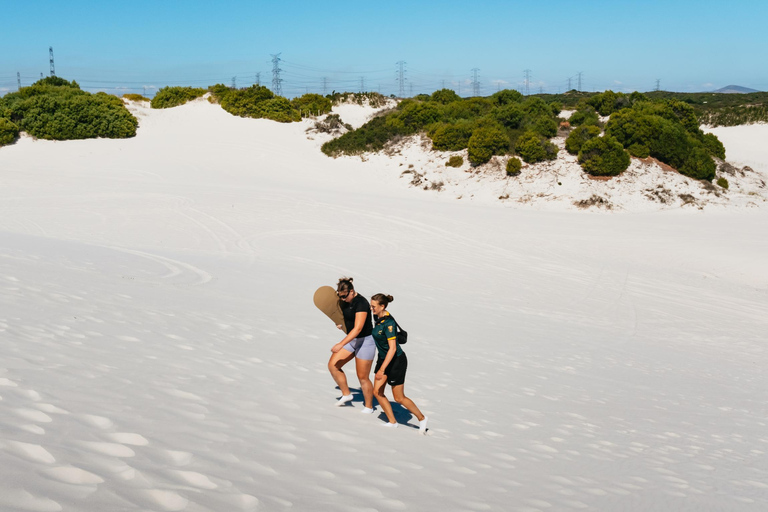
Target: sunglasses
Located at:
point(342, 297)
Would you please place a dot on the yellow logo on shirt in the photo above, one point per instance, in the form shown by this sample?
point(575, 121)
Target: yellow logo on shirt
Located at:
point(390, 328)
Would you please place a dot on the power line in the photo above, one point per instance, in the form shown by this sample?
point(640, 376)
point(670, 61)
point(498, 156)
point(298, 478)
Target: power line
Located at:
point(475, 82)
point(50, 57)
point(580, 73)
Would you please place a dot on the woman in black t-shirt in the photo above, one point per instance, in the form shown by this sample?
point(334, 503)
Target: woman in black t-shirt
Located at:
point(358, 344)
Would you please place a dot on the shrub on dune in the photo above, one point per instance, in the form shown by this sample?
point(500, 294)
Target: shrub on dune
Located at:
point(583, 116)
point(532, 147)
point(244, 102)
point(56, 109)
point(444, 96)
point(135, 97)
point(8, 131)
point(699, 165)
point(506, 96)
point(455, 161)
point(278, 109)
point(485, 142)
point(169, 97)
point(312, 104)
point(514, 165)
point(579, 136)
point(603, 156)
point(372, 136)
point(713, 145)
point(452, 136)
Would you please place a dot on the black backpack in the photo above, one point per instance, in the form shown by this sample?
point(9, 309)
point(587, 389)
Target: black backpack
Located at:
point(402, 335)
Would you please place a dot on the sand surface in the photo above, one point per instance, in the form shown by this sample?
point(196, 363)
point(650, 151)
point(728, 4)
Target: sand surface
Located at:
point(160, 350)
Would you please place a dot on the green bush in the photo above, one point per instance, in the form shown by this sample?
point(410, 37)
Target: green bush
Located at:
point(722, 182)
point(699, 165)
point(532, 147)
point(219, 92)
point(444, 96)
point(662, 131)
point(536, 107)
point(545, 126)
point(278, 109)
point(485, 142)
point(506, 96)
point(453, 136)
point(312, 104)
point(603, 156)
point(470, 108)
point(8, 131)
point(455, 161)
point(244, 102)
point(579, 136)
point(451, 121)
point(374, 99)
point(415, 115)
point(514, 165)
point(510, 115)
point(169, 97)
point(556, 107)
point(585, 115)
point(372, 136)
point(639, 150)
point(713, 145)
point(135, 97)
point(56, 109)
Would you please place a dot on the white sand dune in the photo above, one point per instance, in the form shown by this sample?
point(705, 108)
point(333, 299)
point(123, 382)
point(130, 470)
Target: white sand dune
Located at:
point(160, 350)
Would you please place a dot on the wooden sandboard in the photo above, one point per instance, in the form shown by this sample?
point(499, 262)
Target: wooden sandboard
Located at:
point(327, 301)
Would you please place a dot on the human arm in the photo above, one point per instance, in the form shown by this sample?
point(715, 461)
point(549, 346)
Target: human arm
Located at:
point(360, 318)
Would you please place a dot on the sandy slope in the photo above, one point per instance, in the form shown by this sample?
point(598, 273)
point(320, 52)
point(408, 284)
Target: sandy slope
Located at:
point(160, 350)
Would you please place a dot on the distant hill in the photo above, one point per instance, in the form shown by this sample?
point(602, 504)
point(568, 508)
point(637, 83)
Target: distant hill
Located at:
point(735, 89)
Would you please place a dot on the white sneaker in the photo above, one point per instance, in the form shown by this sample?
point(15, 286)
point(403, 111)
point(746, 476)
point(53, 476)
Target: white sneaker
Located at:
point(367, 410)
point(423, 426)
point(344, 399)
point(389, 425)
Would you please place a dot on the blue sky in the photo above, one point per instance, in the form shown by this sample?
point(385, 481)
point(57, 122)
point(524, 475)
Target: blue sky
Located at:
point(621, 45)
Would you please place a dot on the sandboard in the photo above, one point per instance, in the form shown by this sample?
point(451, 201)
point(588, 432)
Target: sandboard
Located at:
point(327, 301)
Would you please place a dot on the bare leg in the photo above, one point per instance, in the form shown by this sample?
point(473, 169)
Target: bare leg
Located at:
point(378, 390)
point(398, 393)
point(363, 373)
point(335, 363)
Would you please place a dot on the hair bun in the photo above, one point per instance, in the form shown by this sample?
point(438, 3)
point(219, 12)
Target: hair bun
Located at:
point(390, 298)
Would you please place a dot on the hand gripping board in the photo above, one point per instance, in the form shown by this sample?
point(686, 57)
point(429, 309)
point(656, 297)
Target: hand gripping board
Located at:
point(327, 301)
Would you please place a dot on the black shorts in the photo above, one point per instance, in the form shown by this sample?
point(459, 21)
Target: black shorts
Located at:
point(395, 371)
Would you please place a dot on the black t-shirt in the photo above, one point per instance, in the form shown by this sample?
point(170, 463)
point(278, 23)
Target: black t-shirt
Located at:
point(358, 305)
